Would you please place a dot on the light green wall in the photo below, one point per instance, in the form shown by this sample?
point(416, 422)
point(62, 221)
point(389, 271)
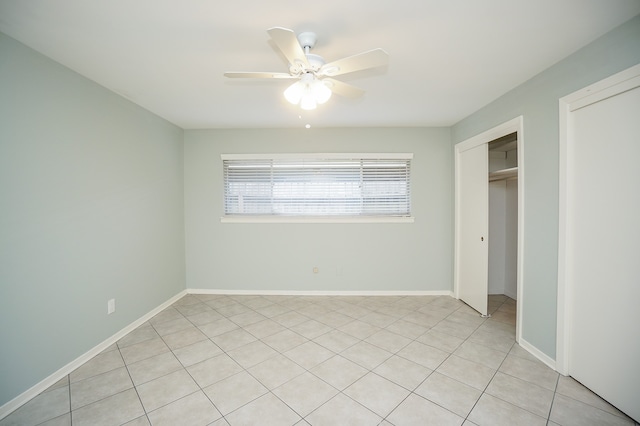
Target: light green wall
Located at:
point(350, 257)
point(91, 190)
point(537, 101)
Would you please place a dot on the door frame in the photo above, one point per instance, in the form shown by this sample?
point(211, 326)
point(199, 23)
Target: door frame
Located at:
point(504, 129)
point(611, 86)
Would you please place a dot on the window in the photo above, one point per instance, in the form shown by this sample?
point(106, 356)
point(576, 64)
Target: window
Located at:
point(360, 187)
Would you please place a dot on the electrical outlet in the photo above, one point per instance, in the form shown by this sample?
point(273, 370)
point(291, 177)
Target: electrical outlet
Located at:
point(315, 270)
point(111, 306)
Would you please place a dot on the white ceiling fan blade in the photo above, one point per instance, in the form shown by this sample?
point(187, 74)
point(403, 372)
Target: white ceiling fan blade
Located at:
point(370, 59)
point(288, 43)
point(343, 89)
point(240, 74)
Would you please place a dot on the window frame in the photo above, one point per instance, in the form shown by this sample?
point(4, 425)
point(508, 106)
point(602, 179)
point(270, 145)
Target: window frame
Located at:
point(273, 218)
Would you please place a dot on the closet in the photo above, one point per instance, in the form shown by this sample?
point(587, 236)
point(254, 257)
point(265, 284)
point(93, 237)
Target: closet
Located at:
point(488, 253)
point(503, 215)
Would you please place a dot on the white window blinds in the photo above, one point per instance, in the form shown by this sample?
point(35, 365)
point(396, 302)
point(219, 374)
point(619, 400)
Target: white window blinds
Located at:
point(317, 185)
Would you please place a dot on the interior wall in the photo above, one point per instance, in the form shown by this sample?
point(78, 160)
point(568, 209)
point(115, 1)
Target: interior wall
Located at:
point(92, 209)
point(537, 100)
point(350, 257)
point(511, 239)
point(497, 237)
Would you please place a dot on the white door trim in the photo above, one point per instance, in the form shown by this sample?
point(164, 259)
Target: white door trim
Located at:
point(603, 89)
point(514, 125)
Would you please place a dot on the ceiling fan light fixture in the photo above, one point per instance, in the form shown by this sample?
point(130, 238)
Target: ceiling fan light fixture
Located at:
point(308, 102)
point(308, 92)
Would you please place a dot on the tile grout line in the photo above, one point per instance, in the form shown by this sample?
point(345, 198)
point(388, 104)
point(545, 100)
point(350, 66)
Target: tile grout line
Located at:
point(435, 369)
point(308, 370)
point(508, 402)
point(246, 370)
point(553, 400)
point(134, 385)
point(270, 391)
point(70, 409)
point(412, 392)
point(201, 389)
point(492, 377)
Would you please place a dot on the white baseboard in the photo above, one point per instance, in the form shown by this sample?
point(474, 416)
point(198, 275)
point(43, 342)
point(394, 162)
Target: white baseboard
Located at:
point(551, 363)
point(34, 391)
point(318, 292)
point(513, 296)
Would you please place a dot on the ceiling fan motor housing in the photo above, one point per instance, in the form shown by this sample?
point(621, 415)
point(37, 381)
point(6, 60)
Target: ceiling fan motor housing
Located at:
point(316, 61)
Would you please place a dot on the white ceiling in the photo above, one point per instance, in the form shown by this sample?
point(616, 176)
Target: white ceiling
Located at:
point(448, 58)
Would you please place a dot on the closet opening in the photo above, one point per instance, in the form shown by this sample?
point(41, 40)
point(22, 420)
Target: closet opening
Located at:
point(493, 158)
point(503, 227)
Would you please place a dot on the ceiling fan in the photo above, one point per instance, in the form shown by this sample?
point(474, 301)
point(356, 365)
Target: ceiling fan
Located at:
point(314, 85)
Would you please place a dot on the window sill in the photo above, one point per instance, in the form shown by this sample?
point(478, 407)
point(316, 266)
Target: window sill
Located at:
point(298, 219)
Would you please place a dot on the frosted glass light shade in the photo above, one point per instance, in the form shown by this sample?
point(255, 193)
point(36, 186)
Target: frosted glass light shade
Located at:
point(294, 93)
point(308, 92)
point(321, 92)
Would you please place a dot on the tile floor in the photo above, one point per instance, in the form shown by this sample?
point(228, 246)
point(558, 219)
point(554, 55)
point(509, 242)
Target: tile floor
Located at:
point(300, 360)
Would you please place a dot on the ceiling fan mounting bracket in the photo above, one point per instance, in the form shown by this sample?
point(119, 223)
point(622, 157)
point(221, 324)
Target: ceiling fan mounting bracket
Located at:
point(307, 39)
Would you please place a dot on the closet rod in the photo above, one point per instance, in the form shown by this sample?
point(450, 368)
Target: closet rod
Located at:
point(503, 174)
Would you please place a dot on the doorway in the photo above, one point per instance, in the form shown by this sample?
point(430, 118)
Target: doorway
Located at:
point(472, 213)
point(503, 216)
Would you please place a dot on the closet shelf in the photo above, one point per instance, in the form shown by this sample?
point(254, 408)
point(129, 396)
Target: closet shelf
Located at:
point(503, 174)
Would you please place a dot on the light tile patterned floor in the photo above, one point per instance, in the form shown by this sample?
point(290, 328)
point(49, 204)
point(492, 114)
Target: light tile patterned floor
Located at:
point(300, 360)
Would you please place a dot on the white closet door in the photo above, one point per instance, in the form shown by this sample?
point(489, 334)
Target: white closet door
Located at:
point(603, 246)
point(473, 227)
